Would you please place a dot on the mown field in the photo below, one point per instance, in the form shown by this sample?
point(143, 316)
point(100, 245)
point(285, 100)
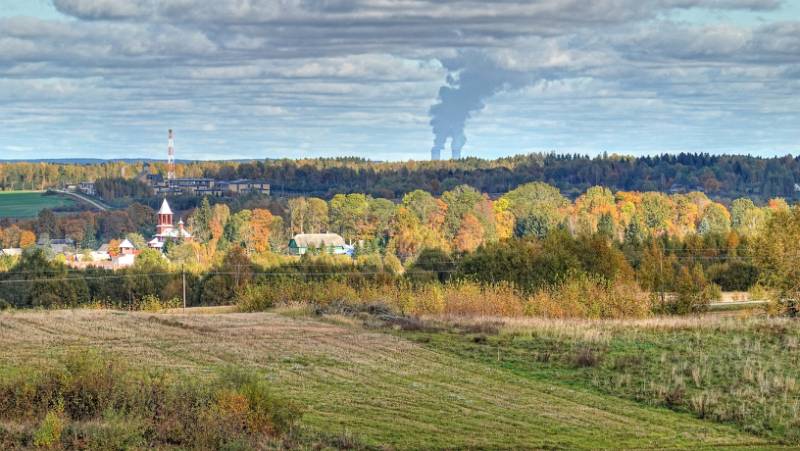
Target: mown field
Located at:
point(27, 204)
point(444, 384)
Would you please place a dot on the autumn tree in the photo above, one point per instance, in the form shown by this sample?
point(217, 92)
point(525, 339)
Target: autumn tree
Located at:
point(10, 236)
point(656, 271)
point(137, 240)
point(715, 220)
point(407, 237)
point(258, 230)
point(348, 214)
point(298, 210)
point(460, 201)
point(46, 223)
point(235, 232)
point(657, 212)
point(26, 239)
point(470, 234)
point(775, 252)
point(422, 204)
point(316, 218)
point(746, 218)
point(536, 203)
point(200, 221)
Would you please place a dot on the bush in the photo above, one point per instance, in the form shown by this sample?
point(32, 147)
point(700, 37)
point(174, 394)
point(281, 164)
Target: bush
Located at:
point(256, 298)
point(113, 431)
point(693, 291)
point(586, 357)
point(472, 299)
point(589, 297)
point(152, 303)
point(101, 403)
point(48, 434)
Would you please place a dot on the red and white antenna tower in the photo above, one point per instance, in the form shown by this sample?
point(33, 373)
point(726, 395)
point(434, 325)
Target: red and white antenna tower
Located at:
point(170, 157)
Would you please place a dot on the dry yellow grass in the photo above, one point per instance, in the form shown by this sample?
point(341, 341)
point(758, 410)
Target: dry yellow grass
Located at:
point(600, 330)
point(385, 389)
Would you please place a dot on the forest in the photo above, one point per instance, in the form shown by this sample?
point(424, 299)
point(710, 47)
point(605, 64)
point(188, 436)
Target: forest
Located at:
point(531, 245)
point(721, 177)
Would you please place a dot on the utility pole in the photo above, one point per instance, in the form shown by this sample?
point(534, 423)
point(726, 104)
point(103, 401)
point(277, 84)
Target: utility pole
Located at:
point(661, 281)
point(183, 276)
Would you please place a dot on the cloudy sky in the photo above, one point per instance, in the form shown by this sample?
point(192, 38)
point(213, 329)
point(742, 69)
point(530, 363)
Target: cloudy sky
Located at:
point(377, 78)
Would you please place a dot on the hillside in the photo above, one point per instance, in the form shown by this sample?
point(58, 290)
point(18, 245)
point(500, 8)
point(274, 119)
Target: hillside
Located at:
point(721, 177)
point(26, 204)
point(384, 389)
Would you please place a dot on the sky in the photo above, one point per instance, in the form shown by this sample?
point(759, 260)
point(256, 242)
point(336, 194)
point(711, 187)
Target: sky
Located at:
point(390, 79)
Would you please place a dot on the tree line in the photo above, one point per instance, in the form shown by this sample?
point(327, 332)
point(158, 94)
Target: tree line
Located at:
point(722, 177)
point(531, 237)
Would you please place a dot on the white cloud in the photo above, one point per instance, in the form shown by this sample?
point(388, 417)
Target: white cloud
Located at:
point(272, 74)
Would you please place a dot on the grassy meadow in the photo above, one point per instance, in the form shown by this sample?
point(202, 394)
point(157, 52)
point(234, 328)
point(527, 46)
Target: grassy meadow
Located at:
point(27, 204)
point(366, 380)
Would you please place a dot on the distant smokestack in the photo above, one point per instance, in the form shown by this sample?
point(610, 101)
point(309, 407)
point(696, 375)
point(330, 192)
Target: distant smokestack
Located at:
point(436, 153)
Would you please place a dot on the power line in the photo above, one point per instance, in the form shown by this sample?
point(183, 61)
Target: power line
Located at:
point(223, 273)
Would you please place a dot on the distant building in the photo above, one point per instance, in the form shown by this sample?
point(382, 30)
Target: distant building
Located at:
point(165, 230)
point(127, 255)
point(101, 258)
point(58, 246)
point(326, 242)
point(87, 188)
point(101, 254)
point(243, 186)
point(185, 186)
point(200, 186)
point(11, 252)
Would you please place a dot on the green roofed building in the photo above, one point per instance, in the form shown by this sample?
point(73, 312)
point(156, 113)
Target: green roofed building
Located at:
point(330, 243)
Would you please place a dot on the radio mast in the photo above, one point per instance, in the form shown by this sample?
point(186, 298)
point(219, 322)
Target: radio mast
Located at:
point(170, 158)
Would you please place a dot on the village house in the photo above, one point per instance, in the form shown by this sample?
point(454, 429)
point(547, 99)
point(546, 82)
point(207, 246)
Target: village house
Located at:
point(101, 254)
point(11, 252)
point(126, 257)
point(65, 246)
point(326, 242)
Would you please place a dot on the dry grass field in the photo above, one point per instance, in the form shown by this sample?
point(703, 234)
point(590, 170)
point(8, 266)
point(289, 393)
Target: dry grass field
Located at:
point(383, 389)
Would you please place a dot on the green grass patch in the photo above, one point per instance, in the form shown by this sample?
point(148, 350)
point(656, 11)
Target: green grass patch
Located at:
point(357, 386)
point(744, 373)
point(27, 204)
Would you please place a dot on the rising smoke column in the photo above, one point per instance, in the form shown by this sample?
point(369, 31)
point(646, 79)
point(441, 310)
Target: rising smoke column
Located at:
point(471, 80)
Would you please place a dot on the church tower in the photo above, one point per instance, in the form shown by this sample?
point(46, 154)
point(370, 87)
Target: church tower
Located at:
point(164, 225)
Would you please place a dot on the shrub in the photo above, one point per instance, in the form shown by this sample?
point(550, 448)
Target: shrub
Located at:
point(472, 299)
point(255, 298)
point(586, 357)
point(694, 292)
point(589, 297)
point(48, 434)
point(113, 431)
point(152, 303)
point(99, 403)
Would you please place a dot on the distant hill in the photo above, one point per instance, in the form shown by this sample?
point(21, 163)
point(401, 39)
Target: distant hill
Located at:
point(104, 160)
point(721, 177)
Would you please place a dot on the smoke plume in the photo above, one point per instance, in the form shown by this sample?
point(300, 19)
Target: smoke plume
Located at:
point(471, 80)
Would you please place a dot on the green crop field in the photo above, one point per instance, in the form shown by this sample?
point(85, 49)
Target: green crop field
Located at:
point(377, 387)
point(27, 204)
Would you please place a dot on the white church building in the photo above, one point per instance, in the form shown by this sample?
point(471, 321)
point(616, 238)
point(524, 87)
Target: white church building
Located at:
point(166, 231)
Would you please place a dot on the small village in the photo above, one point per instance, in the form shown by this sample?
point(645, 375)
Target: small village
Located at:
point(122, 253)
